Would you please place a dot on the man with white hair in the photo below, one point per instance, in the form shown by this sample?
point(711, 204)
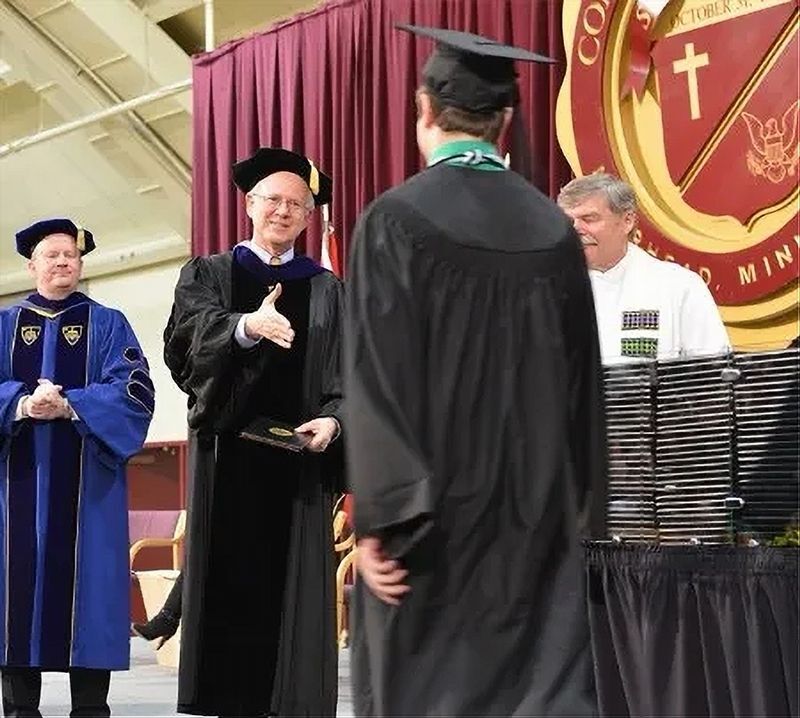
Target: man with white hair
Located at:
point(646, 308)
point(76, 401)
point(253, 340)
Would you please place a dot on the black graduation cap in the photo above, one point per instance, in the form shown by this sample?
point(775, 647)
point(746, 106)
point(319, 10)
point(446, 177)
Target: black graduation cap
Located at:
point(269, 160)
point(29, 237)
point(472, 72)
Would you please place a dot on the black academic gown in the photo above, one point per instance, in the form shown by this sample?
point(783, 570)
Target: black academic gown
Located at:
point(259, 604)
point(476, 447)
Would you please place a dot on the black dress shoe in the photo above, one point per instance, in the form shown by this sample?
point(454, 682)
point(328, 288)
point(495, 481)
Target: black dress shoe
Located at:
point(162, 626)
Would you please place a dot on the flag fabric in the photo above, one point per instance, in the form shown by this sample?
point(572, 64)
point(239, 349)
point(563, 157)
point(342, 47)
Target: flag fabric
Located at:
point(641, 38)
point(331, 250)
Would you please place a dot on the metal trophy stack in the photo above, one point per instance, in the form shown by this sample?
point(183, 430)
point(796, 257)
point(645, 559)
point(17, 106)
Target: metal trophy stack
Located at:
point(630, 431)
point(704, 450)
point(768, 443)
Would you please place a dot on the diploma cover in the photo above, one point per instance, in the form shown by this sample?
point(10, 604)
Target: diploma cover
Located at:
point(275, 433)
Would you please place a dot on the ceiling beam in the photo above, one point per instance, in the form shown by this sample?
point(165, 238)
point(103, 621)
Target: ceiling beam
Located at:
point(159, 10)
point(72, 94)
point(159, 56)
point(96, 117)
point(78, 90)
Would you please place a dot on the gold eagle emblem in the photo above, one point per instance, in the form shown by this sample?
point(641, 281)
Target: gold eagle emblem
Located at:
point(776, 151)
point(280, 431)
point(72, 333)
point(30, 334)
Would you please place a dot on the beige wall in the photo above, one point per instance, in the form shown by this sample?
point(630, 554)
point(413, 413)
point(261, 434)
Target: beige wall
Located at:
point(145, 297)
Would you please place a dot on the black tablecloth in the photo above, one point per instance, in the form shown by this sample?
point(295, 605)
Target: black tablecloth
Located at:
point(694, 630)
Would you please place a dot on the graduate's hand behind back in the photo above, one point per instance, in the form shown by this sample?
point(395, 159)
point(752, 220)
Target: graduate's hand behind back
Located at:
point(384, 576)
point(268, 323)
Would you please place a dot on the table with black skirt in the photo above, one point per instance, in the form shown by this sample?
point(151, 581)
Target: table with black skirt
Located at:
point(694, 630)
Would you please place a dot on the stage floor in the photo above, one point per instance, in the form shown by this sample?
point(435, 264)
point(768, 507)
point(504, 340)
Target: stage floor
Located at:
point(150, 690)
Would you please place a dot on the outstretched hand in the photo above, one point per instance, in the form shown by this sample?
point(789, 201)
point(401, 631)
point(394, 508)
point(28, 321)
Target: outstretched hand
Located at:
point(269, 323)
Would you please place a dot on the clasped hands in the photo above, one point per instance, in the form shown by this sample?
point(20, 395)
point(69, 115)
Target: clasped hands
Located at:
point(46, 402)
point(268, 323)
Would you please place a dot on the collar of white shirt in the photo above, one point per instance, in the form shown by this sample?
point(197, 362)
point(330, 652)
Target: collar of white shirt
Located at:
point(616, 273)
point(265, 256)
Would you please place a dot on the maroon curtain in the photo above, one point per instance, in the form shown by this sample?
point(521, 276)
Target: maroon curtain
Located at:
point(338, 85)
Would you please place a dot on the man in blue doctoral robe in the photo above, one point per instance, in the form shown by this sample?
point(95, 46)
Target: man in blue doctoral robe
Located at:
point(76, 400)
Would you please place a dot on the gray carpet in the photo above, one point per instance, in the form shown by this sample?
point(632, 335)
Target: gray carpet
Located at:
point(150, 690)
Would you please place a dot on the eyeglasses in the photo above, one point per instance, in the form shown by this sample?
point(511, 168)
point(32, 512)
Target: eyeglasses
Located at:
point(273, 201)
point(56, 256)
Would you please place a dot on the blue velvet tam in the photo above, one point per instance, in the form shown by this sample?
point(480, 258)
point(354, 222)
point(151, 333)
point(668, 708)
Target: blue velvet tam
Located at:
point(29, 237)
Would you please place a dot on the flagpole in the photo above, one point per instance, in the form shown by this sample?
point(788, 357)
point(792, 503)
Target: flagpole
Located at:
point(325, 257)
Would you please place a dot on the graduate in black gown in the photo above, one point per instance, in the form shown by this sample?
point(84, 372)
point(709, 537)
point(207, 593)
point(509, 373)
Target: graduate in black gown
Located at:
point(254, 336)
point(476, 443)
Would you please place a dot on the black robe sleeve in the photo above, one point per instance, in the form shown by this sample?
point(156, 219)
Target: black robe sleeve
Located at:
point(586, 398)
point(323, 375)
point(383, 384)
point(325, 327)
point(205, 360)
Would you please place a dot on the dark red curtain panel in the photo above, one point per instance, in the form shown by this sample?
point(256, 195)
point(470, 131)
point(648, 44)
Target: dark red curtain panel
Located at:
point(338, 85)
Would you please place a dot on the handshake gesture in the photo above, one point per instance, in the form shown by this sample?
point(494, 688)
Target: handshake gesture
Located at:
point(269, 323)
point(46, 402)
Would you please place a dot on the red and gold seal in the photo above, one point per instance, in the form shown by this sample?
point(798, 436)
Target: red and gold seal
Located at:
point(695, 103)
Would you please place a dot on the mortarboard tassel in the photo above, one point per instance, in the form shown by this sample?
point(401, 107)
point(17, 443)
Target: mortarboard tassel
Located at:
point(313, 179)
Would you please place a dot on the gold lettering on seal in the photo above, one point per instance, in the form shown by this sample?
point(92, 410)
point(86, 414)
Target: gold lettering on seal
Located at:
point(694, 14)
point(784, 256)
point(747, 275)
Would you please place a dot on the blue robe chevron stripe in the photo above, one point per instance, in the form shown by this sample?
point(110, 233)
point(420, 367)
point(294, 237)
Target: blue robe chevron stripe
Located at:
point(64, 578)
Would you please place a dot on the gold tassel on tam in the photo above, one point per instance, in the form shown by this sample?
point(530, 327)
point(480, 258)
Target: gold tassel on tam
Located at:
point(80, 239)
point(313, 179)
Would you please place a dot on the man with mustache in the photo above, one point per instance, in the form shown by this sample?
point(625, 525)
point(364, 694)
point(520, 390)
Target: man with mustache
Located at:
point(646, 308)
